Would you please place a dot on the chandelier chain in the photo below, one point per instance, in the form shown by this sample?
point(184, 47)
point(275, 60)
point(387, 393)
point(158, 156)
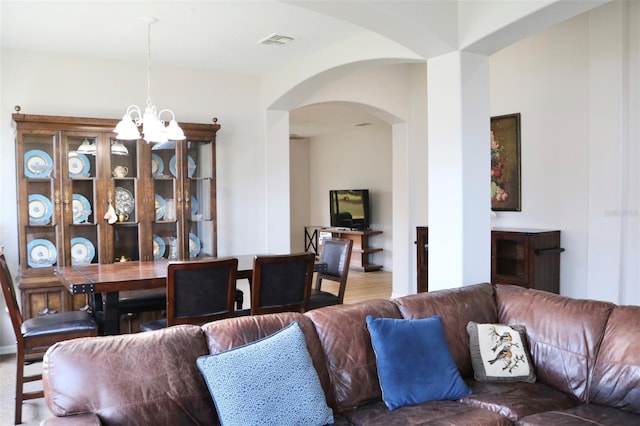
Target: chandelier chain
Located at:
point(149, 102)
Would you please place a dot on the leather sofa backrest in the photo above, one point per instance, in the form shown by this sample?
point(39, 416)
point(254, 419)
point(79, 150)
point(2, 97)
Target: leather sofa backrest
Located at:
point(456, 307)
point(564, 334)
point(344, 337)
point(616, 377)
point(230, 333)
point(143, 378)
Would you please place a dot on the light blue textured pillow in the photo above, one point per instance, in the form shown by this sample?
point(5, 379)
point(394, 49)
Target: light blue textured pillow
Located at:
point(271, 381)
point(414, 362)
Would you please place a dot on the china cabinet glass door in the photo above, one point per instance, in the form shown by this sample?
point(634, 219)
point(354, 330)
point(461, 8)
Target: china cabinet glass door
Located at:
point(164, 172)
point(199, 196)
point(126, 199)
point(40, 217)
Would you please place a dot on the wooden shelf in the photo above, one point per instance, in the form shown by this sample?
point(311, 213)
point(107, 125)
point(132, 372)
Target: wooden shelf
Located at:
point(361, 252)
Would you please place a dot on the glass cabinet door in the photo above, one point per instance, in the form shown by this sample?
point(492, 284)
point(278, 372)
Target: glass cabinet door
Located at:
point(164, 218)
point(79, 192)
point(126, 199)
point(40, 216)
point(199, 199)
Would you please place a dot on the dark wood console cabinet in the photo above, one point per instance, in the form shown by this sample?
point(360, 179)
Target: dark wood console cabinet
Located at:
point(422, 256)
point(526, 257)
point(362, 251)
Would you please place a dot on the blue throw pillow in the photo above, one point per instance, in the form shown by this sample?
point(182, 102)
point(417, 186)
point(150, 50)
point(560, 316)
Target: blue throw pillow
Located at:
point(414, 362)
point(271, 381)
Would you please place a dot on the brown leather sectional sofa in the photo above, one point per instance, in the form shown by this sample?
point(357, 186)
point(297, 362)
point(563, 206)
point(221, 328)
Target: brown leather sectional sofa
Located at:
point(586, 355)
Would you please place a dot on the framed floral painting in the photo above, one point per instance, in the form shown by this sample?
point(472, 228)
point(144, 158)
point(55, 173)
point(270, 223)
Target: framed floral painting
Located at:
point(505, 163)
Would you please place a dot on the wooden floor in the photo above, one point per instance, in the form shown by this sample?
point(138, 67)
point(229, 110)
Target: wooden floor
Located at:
point(363, 286)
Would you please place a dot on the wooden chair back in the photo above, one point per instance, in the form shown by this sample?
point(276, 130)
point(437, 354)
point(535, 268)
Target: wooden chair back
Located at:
point(201, 291)
point(9, 293)
point(281, 283)
point(336, 254)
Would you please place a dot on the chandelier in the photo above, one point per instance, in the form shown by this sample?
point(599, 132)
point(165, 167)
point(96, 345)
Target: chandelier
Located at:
point(153, 128)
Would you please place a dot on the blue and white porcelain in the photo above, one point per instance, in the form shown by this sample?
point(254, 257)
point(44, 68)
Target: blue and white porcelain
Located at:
point(81, 208)
point(82, 251)
point(79, 165)
point(40, 210)
point(37, 164)
point(159, 247)
point(41, 253)
point(194, 245)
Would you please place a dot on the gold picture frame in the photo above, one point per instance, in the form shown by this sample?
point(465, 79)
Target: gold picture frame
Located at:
point(505, 163)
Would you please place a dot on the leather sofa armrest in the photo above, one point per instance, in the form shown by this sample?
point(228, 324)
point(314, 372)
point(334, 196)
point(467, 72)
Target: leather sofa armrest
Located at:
point(85, 419)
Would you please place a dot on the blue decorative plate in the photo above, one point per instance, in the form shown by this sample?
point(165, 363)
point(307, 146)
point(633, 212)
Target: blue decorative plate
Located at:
point(194, 206)
point(82, 251)
point(161, 207)
point(158, 247)
point(191, 167)
point(157, 165)
point(81, 208)
point(40, 210)
point(79, 165)
point(37, 164)
point(41, 253)
point(194, 245)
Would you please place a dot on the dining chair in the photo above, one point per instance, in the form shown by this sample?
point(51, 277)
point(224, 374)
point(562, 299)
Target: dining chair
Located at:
point(198, 292)
point(281, 283)
point(132, 302)
point(336, 255)
point(35, 335)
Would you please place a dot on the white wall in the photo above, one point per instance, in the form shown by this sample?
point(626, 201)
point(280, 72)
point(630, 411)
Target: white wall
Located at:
point(576, 86)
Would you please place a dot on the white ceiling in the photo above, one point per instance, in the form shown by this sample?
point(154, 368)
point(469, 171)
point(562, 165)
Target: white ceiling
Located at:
point(220, 35)
point(217, 35)
point(223, 35)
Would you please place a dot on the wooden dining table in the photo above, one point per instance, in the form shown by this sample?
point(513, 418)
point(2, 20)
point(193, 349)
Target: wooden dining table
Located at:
point(112, 278)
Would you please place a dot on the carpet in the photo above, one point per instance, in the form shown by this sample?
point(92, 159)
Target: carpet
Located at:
point(34, 411)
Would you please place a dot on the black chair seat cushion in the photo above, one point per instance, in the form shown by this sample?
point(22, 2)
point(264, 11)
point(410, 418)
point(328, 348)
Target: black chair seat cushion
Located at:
point(153, 325)
point(64, 322)
point(142, 300)
point(321, 298)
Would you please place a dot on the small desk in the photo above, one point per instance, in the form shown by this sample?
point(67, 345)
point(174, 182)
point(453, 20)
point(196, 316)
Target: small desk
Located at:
point(112, 278)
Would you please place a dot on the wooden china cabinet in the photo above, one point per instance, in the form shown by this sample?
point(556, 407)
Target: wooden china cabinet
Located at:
point(163, 198)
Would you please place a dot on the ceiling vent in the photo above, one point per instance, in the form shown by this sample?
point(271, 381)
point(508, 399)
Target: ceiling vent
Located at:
point(276, 40)
point(363, 124)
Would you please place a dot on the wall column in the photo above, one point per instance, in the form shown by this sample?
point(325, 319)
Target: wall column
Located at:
point(459, 164)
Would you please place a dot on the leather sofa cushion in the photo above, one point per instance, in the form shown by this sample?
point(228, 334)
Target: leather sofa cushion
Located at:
point(344, 337)
point(585, 414)
point(517, 399)
point(616, 378)
point(564, 334)
point(142, 378)
point(434, 413)
point(456, 307)
point(230, 333)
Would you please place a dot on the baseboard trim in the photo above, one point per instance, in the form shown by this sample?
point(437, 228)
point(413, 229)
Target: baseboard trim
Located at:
point(8, 350)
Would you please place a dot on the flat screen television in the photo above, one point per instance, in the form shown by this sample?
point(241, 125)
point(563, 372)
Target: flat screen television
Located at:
point(350, 208)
